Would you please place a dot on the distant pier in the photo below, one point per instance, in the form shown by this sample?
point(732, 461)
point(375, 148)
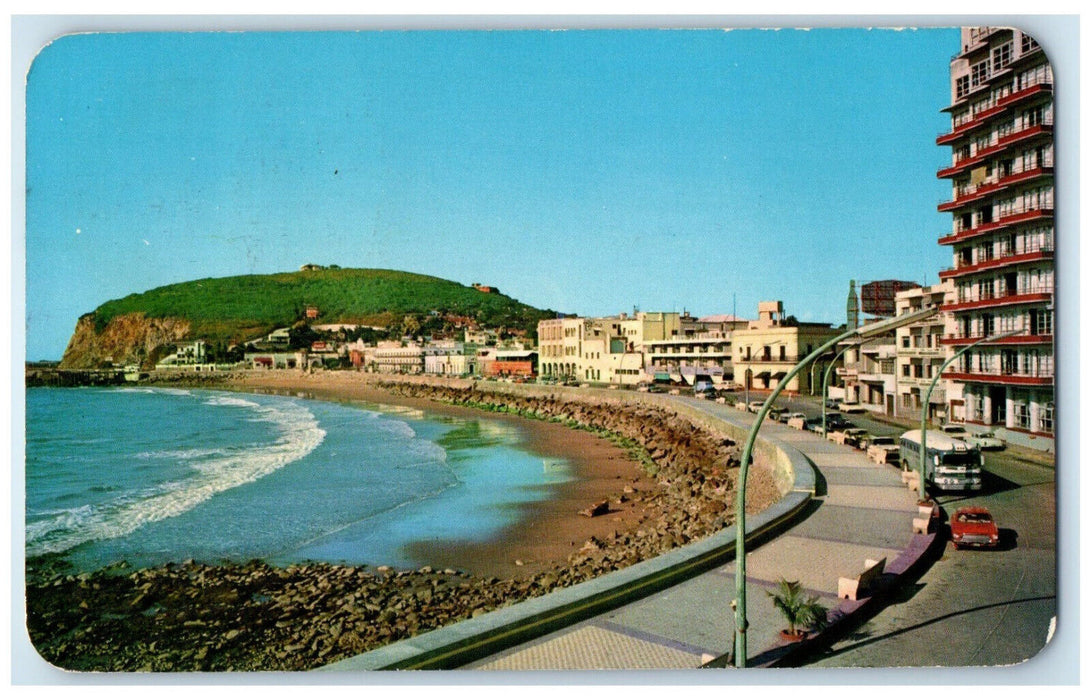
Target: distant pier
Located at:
point(52, 376)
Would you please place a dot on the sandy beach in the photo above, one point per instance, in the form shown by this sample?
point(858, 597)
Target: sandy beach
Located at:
point(548, 530)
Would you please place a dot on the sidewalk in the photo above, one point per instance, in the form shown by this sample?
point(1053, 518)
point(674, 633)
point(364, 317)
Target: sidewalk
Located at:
point(861, 511)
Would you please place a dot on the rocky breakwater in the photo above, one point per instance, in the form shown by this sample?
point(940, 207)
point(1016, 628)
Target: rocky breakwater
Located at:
point(256, 617)
point(695, 469)
point(247, 617)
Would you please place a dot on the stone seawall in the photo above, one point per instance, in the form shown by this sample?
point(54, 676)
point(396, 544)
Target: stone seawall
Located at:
point(696, 460)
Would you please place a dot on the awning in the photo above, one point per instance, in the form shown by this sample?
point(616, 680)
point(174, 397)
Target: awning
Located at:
point(762, 375)
point(780, 375)
point(662, 377)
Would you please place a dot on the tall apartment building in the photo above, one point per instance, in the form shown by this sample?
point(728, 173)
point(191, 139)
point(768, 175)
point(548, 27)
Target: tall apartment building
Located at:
point(1002, 233)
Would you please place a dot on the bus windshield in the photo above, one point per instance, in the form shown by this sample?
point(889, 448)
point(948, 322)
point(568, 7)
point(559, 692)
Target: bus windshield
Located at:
point(961, 459)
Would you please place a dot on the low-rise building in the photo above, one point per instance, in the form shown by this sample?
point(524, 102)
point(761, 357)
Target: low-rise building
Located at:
point(394, 357)
point(449, 358)
point(686, 360)
point(608, 350)
point(187, 355)
point(868, 373)
point(508, 363)
point(768, 348)
point(275, 360)
point(920, 353)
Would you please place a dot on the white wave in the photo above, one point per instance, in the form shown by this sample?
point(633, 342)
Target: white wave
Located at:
point(298, 435)
point(396, 428)
point(195, 453)
point(230, 401)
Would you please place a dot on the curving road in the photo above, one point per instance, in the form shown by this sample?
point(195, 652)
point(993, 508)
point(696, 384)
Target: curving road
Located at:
point(982, 608)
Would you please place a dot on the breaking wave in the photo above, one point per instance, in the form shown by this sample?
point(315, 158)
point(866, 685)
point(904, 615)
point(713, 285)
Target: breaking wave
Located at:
point(214, 470)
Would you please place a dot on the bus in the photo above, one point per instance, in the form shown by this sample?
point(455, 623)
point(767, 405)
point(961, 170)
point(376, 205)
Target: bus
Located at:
point(950, 464)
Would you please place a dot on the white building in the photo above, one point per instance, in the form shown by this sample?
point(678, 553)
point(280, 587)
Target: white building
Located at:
point(449, 358)
point(920, 353)
point(606, 350)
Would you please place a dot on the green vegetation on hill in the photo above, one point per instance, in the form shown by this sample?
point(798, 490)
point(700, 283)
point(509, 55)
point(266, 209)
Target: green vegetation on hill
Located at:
point(230, 308)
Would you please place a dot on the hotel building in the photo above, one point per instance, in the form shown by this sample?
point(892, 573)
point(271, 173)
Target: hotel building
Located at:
point(1002, 235)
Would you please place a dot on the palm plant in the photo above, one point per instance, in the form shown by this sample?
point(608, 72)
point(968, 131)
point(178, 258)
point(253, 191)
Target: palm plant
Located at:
point(798, 609)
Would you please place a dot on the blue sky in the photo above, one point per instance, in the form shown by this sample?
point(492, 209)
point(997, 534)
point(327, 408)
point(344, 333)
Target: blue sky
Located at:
point(588, 171)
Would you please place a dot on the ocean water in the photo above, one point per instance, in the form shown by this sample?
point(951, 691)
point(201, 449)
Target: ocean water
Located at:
point(156, 475)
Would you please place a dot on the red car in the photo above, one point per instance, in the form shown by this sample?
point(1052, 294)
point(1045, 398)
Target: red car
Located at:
point(973, 526)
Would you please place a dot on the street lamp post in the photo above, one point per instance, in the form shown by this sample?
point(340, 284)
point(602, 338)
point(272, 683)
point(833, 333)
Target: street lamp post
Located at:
point(813, 366)
point(826, 382)
point(928, 398)
point(867, 331)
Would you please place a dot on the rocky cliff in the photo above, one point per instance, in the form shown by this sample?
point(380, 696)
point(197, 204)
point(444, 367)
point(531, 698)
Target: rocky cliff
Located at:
point(127, 339)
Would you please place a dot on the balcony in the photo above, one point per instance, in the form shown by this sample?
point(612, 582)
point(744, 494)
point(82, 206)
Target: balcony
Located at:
point(956, 339)
point(1000, 262)
point(770, 359)
point(998, 145)
point(970, 195)
point(998, 107)
point(1040, 378)
point(1020, 215)
point(985, 301)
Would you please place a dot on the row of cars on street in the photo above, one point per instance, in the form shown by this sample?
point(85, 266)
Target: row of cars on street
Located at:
point(971, 525)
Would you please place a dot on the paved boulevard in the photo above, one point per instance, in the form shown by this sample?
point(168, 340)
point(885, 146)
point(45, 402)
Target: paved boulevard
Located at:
point(981, 608)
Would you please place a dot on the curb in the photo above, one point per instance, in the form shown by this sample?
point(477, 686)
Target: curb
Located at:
point(468, 640)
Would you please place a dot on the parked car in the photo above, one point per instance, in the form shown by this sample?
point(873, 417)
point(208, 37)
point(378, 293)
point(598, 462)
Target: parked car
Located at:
point(986, 441)
point(796, 416)
point(850, 407)
point(883, 449)
point(835, 421)
point(754, 406)
point(973, 526)
point(831, 404)
point(855, 437)
point(815, 426)
point(956, 431)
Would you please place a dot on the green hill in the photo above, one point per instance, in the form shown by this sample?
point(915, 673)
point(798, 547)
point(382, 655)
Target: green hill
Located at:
point(232, 308)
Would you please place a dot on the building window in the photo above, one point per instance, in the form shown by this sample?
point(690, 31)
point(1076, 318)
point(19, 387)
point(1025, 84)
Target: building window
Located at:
point(1041, 322)
point(1045, 417)
point(973, 407)
point(1028, 44)
point(962, 86)
point(1001, 56)
point(1021, 416)
point(979, 73)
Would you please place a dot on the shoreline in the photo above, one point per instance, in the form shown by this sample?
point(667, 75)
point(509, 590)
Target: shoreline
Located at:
point(256, 617)
point(547, 531)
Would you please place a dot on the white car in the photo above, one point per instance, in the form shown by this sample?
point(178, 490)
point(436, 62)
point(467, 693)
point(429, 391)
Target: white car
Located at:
point(956, 431)
point(851, 407)
point(883, 450)
point(986, 441)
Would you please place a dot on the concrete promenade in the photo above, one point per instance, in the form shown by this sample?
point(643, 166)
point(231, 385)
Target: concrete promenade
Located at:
point(861, 511)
